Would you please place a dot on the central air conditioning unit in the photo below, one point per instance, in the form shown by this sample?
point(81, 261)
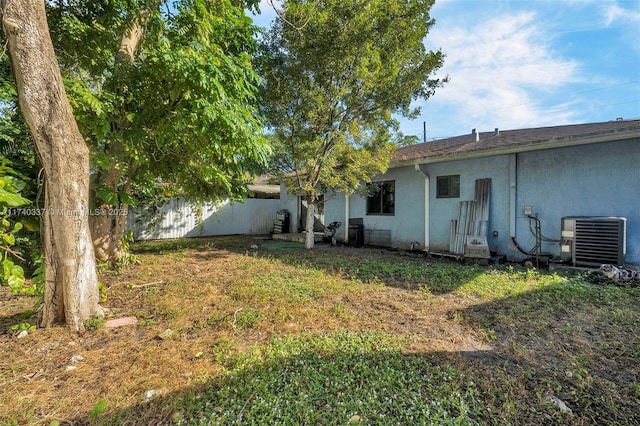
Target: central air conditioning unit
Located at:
point(593, 240)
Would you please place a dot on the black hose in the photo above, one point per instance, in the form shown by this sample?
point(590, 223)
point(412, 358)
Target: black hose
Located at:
point(515, 243)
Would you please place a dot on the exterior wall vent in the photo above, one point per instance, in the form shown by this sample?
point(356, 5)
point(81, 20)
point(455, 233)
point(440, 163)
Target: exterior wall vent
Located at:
point(593, 240)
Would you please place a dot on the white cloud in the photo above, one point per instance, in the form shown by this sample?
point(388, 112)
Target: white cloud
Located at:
point(614, 13)
point(501, 70)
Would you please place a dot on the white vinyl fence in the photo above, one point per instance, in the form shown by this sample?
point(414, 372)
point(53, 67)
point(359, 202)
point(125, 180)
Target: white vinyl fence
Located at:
point(178, 219)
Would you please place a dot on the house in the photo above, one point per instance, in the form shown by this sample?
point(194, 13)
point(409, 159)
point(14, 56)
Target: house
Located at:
point(529, 180)
point(182, 219)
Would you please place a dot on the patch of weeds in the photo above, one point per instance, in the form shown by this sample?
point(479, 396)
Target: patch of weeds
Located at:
point(224, 352)
point(335, 379)
point(172, 314)
point(635, 388)
point(245, 265)
point(94, 323)
point(425, 292)
point(216, 320)
point(284, 284)
point(169, 246)
point(285, 316)
point(98, 409)
point(487, 334)
point(102, 289)
point(247, 318)
point(339, 311)
point(23, 326)
point(148, 322)
point(447, 277)
point(502, 282)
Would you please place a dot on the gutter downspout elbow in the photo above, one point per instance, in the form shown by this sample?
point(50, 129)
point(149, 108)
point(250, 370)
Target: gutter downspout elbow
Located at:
point(419, 169)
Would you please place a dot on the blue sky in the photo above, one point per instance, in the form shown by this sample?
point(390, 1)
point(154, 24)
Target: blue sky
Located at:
point(529, 63)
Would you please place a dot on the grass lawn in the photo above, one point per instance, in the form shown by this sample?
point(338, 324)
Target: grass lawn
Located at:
point(337, 335)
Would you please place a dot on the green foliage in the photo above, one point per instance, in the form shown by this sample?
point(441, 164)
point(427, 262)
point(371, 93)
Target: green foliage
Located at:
point(102, 289)
point(11, 186)
point(98, 409)
point(336, 72)
point(341, 378)
point(129, 258)
point(94, 323)
point(182, 112)
point(23, 326)
point(248, 318)
point(106, 195)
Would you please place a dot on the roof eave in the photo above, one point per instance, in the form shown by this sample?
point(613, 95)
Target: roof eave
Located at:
point(534, 146)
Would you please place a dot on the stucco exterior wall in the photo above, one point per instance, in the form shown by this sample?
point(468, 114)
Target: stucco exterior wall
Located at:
point(600, 179)
point(593, 180)
point(290, 202)
point(405, 225)
point(334, 211)
point(443, 210)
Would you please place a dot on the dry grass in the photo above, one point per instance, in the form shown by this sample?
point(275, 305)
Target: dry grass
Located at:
point(220, 301)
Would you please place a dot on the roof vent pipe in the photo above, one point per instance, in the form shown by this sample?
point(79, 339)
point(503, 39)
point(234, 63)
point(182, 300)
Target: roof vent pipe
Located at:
point(473, 132)
point(424, 132)
point(497, 131)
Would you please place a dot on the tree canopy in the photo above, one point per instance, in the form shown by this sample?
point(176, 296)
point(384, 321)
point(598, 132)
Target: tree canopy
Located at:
point(161, 94)
point(336, 73)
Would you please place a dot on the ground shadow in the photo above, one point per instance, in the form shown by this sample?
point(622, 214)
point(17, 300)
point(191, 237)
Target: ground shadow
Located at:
point(551, 347)
point(318, 386)
point(398, 268)
point(575, 341)
point(403, 269)
point(16, 309)
point(572, 341)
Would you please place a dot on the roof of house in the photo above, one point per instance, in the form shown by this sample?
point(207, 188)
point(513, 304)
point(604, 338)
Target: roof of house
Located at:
point(263, 185)
point(498, 142)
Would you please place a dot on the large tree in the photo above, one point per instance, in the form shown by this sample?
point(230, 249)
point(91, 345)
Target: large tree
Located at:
point(162, 94)
point(336, 73)
point(159, 95)
point(71, 287)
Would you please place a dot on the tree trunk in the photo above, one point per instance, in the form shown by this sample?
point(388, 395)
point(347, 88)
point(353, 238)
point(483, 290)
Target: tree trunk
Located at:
point(108, 229)
point(310, 238)
point(109, 223)
point(71, 288)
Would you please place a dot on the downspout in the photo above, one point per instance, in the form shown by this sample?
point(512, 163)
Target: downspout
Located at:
point(346, 218)
point(426, 205)
point(512, 194)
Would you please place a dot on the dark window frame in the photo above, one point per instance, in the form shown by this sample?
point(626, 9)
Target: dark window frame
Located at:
point(448, 186)
point(382, 200)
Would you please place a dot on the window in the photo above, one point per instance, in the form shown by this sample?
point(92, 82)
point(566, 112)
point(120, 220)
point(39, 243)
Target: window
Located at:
point(382, 197)
point(448, 186)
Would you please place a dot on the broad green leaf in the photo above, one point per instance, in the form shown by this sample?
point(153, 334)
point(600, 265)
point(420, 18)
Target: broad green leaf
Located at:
point(107, 195)
point(31, 224)
point(12, 199)
point(14, 184)
point(17, 227)
point(7, 267)
point(9, 239)
point(16, 278)
point(127, 199)
point(13, 275)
